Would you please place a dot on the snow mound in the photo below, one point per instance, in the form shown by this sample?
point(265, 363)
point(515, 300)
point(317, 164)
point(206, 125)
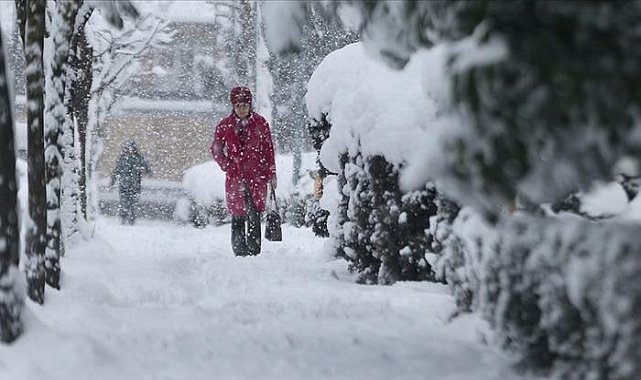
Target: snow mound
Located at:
point(373, 109)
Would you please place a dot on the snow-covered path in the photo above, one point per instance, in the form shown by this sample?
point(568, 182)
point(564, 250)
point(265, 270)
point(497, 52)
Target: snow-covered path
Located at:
point(158, 301)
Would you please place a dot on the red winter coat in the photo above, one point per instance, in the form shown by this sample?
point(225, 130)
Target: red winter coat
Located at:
point(246, 157)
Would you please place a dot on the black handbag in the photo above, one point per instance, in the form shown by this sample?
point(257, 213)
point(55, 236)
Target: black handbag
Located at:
point(273, 230)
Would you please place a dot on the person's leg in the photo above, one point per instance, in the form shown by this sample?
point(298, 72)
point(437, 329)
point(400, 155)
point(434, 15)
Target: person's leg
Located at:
point(238, 236)
point(253, 230)
point(123, 207)
point(133, 208)
point(128, 206)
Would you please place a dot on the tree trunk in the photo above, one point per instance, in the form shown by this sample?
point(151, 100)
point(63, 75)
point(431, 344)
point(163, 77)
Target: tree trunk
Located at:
point(21, 15)
point(81, 96)
point(297, 158)
point(36, 231)
point(64, 16)
point(71, 190)
point(247, 64)
point(11, 300)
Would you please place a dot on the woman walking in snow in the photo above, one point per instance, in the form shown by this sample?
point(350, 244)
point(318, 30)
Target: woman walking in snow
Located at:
point(243, 149)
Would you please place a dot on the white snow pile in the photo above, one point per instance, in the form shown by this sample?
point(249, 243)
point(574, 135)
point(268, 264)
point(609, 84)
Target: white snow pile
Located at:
point(373, 109)
point(604, 200)
point(205, 183)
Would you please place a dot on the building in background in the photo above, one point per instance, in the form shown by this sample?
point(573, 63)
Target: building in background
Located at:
point(172, 107)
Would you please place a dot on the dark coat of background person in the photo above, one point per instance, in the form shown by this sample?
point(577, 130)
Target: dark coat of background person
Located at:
point(130, 167)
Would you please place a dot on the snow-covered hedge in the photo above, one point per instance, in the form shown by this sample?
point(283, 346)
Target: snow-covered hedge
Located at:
point(381, 231)
point(460, 240)
point(294, 195)
point(377, 116)
point(569, 297)
point(561, 293)
point(205, 203)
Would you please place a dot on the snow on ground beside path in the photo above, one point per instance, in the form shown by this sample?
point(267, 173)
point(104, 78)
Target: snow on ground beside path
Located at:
point(157, 301)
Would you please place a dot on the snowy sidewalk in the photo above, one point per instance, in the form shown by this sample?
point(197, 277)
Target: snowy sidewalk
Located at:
point(158, 301)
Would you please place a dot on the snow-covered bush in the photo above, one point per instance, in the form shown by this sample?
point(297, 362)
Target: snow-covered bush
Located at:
point(293, 208)
point(382, 232)
point(316, 217)
point(354, 242)
point(563, 294)
point(374, 116)
point(294, 194)
point(401, 222)
point(514, 127)
point(513, 124)
point(205, 204)
point(461, 237)
point(560, 292)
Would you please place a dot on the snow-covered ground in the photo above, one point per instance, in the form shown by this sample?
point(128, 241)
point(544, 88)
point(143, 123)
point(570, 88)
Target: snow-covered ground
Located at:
point(158, 301)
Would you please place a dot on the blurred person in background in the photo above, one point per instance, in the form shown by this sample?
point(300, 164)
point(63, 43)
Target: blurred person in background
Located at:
point(130, 167)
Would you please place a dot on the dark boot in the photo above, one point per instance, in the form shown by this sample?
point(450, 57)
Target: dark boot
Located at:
point(133, 208)
point(253, 233)
point(123, 207)
point(131, 215)
point(238, 237)
point(128, 204)
point(253, 228)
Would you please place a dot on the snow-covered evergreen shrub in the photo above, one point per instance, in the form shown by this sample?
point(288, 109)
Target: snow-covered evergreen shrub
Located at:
point(293, 209)
point(401, 225)
point(316, 217)
point(460, 239)
point(441, 223)
point(508, 298)
point(563, 294)
point(338, 238)
point(560, 293)
point(354, 240)
point(383, 232)
point(294, 192)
